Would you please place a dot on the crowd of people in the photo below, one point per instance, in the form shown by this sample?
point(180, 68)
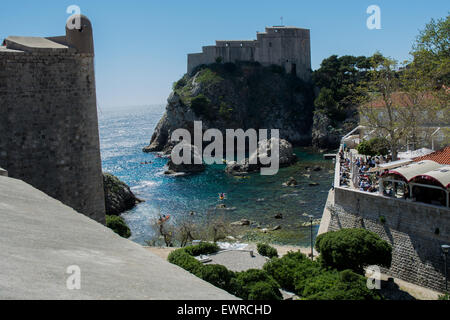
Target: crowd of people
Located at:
point(363, 179)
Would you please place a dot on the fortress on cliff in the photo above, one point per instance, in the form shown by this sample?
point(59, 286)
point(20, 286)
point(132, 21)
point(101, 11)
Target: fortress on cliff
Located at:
point(48, 117)
point(288, 47)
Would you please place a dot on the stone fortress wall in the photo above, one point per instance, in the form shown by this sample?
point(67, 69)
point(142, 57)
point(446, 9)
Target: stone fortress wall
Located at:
point(48, 124)
point(289, 47)
point(415, 230)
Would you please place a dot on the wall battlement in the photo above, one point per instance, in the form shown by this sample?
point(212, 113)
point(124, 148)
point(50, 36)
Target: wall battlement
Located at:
point(48, 124)
point(288, 47)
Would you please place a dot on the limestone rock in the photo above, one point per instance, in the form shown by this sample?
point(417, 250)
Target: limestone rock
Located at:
point(291, 182)
point(118, 196)
point(242, 222)
point(253, 163)
point(192, 167)
point(251, 96)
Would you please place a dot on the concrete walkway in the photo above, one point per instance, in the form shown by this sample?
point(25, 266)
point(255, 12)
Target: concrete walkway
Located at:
point(40, 238)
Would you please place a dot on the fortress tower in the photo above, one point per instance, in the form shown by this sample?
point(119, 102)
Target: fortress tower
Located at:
point(289, 47)
point(48, 117)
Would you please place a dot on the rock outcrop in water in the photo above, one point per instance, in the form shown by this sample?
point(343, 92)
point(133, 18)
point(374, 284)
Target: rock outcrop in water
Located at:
point(253, 163)
point(238, 96)
point(118, 196)
point(196, 160)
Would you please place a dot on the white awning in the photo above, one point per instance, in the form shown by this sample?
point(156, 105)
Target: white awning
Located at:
point(414, 169)
point(391, 165)
point(440, 175)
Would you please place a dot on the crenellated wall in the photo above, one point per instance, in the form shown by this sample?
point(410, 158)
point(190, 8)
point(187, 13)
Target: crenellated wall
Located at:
point(288, 47)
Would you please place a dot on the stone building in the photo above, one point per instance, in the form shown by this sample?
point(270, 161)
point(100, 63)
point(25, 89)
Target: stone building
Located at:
point(48, 117)
point(288, 47)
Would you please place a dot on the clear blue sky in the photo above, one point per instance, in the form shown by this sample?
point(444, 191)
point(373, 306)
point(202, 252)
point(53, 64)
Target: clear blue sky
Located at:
point(141, 46)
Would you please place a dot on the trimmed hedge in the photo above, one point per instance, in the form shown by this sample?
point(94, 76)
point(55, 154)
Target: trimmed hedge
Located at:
point(266, 250)
point(202, 248)
point(334, 285)
point(184, 260)
point(218, 276)
point(256, 284)
point(308, 279)
point(249, 285)
point(353, 249)
point(283, 269)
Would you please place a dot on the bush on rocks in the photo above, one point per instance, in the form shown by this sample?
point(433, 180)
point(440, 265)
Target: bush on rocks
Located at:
point(266, 250)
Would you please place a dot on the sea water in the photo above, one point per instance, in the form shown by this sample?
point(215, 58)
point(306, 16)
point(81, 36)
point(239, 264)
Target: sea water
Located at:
point(125, 131)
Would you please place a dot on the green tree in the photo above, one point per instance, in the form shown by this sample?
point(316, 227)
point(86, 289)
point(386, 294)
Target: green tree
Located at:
point(373, 147)
point(379, 108)
point(431, 52)
point(337, 79)
point(353, 249)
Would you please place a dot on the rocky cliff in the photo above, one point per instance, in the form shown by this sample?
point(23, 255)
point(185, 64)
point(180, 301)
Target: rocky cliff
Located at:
point(242, 95)
point(118, 196)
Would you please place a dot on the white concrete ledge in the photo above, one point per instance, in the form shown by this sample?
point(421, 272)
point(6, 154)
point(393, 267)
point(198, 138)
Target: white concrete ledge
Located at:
point(40, 238)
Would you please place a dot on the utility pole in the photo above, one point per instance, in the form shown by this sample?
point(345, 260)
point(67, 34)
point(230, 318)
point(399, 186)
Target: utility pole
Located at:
point(312, 250)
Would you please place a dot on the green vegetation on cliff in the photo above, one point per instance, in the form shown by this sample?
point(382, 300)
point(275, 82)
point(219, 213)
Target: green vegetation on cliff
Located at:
point(240, 95)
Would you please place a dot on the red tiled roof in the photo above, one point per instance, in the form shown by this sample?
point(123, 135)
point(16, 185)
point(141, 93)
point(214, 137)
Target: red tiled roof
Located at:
point(441, 156)
point(401, 99)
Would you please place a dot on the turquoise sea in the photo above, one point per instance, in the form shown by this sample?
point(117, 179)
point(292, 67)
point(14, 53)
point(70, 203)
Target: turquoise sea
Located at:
point(125, 131)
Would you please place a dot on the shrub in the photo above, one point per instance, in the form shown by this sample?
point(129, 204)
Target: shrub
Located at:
point(333, 285)
point(118, 225)
point(202, 248)
point(208, 77)
point(200, 104)
point(179, 84)
point(444, 297)
point(303, 274)
point(186, 261)
point(251, 284)
point(218, 276)
point(255, 284)
point(266, 250)
point(284, 270)
point(353, 249)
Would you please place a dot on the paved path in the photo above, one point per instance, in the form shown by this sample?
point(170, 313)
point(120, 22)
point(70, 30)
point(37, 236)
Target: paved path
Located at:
point(40, 238)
